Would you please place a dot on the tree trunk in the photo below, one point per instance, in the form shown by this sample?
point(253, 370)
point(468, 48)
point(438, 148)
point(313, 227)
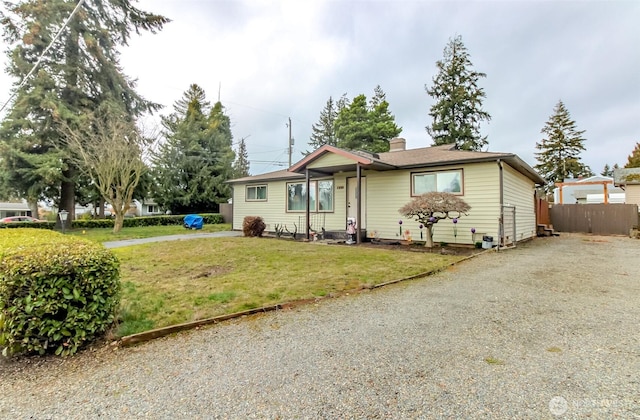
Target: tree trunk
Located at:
point(119, 220)
point(429, 242)
point(33, 207)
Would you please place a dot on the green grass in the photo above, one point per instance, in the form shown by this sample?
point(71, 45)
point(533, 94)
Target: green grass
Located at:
point(107, 235)
point(174, 282)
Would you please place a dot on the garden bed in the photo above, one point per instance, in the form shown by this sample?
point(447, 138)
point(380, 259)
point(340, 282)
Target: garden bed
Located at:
point(416, 246)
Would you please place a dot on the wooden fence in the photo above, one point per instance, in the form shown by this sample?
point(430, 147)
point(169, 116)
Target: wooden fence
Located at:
point(599, 219)
point(542, 212)
point(226, 210)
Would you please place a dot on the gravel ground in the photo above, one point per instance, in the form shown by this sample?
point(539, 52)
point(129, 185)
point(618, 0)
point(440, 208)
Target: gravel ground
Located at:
point(546, 330)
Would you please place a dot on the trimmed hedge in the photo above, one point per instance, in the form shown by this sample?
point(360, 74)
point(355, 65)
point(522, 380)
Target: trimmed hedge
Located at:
point(31, 225)
point(209, 218)
point(57, 292)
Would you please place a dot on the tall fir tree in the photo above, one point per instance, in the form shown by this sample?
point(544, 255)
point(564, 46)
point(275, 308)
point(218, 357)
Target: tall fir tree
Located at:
point(323, 132)
point(80, 72)
point(368, 127)
point(633, 161)
point(378, 97)
point(560, 149)
point(608, 170)
point(195, 161)
point(241, 164)
point(457, 111)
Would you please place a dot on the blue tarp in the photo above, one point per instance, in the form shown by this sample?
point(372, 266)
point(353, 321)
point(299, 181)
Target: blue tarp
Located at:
point(193, 221)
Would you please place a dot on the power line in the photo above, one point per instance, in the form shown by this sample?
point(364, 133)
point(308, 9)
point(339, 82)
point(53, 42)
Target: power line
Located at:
point(46, 50)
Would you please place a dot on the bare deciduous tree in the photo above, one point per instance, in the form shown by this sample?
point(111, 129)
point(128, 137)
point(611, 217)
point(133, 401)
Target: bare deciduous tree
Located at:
point(432, 207)
point(109, 148)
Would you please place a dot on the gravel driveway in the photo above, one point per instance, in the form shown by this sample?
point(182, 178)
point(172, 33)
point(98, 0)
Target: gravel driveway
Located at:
point(547, 329)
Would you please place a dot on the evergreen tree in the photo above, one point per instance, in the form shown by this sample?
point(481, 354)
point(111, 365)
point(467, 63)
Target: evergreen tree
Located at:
point(633, 161)
point(608, 171)
point(378, 97)
point(191, 168)
point(78, 73)
point(457, 112)
point(323, 132)
point(362, 127)
point(560, 149)
point(241, 164)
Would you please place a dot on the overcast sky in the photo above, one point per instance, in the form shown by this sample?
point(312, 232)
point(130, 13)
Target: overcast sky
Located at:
point(271, 60)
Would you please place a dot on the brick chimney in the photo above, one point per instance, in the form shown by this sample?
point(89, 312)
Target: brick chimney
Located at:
point(397, 144)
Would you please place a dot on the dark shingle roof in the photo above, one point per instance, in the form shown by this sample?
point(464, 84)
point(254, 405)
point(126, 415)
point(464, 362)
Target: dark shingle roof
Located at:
point(402, 159)
point(269, 176)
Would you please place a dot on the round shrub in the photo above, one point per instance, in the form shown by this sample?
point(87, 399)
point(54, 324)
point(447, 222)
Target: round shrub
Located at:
point(57, 292)
point(253, 226)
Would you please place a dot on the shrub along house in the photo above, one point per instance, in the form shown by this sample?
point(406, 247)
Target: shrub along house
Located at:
point(324, 187)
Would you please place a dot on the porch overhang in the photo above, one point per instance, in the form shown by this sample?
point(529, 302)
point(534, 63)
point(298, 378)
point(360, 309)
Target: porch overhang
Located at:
point(328, 160)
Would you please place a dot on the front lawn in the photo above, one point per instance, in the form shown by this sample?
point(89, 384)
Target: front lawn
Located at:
point(174, 282)
point(107, 235)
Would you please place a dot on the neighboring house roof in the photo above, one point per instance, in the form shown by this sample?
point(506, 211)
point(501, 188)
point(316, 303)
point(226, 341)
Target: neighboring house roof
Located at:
point(399, 159)
point(14, 206)
point(589, 179)
point(579, 194)
point(626, 176)
point(149, 201)
point(269, 176)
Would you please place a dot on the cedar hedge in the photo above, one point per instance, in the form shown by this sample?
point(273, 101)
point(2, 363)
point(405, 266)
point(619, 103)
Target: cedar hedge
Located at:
point(57, 292)
point(32, 225)
point(209, 218)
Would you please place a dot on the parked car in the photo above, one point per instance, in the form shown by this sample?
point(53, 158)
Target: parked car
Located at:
point(21, 219)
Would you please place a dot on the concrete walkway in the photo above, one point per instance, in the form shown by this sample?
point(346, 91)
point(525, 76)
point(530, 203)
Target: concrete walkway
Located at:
point(130, 242)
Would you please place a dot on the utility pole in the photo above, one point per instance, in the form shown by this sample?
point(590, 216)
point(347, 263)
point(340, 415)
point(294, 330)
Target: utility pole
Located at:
point(290, 141)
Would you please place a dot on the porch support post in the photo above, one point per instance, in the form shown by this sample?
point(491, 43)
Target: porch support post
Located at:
point(307, 212)
point(358, 201)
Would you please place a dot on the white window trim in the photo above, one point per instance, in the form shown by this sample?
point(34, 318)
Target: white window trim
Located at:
point(246, 192)
point(316, 187)
point(414, 174)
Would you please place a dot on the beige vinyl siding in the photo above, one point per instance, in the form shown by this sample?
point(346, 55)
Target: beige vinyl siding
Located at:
point(330, 159)
point(274, 209)
point(390, 190)
point(518, 192)
point(387, 191)
point(632, 194)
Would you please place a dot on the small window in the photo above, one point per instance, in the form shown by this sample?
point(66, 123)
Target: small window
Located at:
point(257, 193)
point(151, 209)
point(442, 181)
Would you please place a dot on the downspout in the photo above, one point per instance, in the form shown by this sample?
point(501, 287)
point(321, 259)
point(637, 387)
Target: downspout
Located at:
point(358, 201)
point(501, 218)
point(307, 212)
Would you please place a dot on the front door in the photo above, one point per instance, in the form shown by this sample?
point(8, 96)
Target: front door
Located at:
point(352, 200)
